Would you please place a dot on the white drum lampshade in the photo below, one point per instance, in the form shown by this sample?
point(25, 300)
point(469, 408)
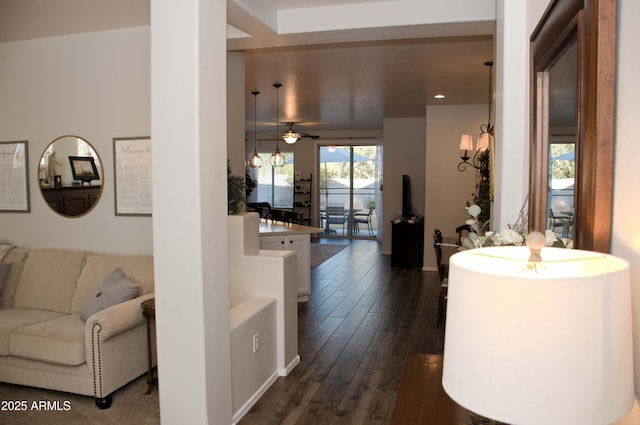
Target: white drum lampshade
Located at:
point(546, 346)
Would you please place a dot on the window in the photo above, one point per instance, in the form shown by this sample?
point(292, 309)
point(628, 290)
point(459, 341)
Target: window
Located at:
point(275, 184)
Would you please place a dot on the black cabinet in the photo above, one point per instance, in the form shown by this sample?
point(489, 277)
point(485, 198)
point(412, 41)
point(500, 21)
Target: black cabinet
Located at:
point(407, 242)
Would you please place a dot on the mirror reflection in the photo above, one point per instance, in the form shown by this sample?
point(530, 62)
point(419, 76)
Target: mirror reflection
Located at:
point(69, 176)
point(563, 82)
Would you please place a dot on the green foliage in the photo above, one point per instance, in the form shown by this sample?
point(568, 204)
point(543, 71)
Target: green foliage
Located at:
point(235, 192)
point(341, 170)
point(482, 199)
point(250, 184)
point(562, 169)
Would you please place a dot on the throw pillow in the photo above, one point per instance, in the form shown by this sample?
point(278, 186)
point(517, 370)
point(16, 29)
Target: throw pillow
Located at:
point(4, 272)
point(116, 288)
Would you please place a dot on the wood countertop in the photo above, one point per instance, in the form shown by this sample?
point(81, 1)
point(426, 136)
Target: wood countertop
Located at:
point(278, 228)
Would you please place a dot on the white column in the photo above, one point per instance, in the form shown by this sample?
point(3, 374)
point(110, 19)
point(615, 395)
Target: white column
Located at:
point(511, 170)
point(188, 131)
point(235, 113)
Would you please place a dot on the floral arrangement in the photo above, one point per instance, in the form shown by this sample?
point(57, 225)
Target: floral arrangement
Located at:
point(480, 237)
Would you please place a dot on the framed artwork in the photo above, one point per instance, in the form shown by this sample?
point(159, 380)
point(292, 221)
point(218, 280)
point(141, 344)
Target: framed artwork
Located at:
point(14, 177)
point(84, 169)
point(132, 173)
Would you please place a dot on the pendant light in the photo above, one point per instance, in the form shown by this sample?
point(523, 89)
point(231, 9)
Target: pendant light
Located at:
point(255, 161)
point(277, 159)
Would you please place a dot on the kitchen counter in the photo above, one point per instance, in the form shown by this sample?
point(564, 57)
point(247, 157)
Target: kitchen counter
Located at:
point(278, 228)
point(291, 237)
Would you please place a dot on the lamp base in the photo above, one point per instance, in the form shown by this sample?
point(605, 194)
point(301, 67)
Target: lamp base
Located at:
point(481, 420)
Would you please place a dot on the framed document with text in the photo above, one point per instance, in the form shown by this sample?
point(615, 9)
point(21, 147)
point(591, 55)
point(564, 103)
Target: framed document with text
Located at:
point(14, 177)
point(132, 171)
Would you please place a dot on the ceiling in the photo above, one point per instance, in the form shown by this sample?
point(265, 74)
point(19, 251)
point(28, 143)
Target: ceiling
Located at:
point(356, 85)
point(333, 80)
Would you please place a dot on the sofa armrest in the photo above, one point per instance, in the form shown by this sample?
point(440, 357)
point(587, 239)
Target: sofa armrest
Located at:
point(116, 319)
point(114, 341)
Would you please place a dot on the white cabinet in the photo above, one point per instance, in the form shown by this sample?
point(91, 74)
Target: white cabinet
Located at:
point(300, 243)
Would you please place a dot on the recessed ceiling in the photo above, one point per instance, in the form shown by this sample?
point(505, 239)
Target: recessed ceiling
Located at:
point(357, 85)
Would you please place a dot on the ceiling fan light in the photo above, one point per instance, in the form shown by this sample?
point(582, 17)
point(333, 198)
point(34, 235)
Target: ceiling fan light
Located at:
point(290, 136)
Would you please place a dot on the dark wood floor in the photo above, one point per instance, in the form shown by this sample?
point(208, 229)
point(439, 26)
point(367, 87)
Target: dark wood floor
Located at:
point(362, 321)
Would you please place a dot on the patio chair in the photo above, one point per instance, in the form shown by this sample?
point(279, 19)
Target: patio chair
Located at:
point(556, 222)
point(335, 215)
point(365, 219)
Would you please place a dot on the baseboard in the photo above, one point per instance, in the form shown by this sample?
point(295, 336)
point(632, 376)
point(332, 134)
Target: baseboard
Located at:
point(429, 269)
point(286, 371)
point(254, 398)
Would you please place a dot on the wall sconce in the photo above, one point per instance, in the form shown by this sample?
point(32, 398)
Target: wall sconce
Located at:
point(255, 161)
point(480, 160)
point(530, 342)
point(277, 159)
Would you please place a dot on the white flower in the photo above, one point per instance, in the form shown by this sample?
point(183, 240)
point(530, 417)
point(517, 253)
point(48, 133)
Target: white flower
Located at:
point(479, 237)
point(474, 210)
point(511, 237)
point(550, 237)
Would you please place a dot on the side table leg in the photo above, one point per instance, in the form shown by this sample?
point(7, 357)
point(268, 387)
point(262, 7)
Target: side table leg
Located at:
point(150, 378)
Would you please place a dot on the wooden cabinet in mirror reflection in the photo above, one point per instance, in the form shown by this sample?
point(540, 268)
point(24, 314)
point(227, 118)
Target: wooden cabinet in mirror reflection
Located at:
point(71, 201)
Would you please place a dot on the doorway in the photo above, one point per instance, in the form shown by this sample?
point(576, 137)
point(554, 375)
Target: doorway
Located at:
point(350, 200)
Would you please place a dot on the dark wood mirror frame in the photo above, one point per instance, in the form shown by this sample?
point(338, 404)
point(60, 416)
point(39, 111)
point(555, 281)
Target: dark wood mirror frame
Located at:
point(593, 24)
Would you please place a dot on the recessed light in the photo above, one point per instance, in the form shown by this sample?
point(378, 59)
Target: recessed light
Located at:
point(438, 96)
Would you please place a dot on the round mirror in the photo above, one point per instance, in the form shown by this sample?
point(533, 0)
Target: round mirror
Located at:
point(69, 176)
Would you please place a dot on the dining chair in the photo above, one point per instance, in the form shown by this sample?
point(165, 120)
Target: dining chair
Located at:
point(335, 215)
point(460, 230)
point(443, 274)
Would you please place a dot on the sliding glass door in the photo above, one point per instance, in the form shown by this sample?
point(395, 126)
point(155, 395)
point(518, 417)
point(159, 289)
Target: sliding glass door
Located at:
point(350, 197)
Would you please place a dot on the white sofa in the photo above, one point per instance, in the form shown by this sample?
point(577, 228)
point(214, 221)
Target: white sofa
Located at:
point(44, 342)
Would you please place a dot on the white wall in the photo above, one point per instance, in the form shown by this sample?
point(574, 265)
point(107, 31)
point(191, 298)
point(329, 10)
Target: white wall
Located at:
point(446, 188)
point(626, 233)
point(93, 85)
point(404, 153)
point(235, 113)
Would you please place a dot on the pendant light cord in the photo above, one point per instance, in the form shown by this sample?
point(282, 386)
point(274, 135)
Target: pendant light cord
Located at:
point(277, 86)
point(255, 117)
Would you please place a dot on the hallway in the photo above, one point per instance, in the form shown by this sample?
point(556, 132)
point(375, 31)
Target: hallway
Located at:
point(362, 320)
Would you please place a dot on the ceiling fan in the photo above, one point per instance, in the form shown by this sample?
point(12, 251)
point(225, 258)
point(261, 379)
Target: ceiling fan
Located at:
point(291, 136)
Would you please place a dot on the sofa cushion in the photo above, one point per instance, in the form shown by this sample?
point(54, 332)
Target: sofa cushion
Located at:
point(48, 280)
point(15, 318)
point(116, 288)
point(59, 340)
point(137, 268)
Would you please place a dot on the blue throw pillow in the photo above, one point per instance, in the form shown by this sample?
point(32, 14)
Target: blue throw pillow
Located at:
point(116, 288)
